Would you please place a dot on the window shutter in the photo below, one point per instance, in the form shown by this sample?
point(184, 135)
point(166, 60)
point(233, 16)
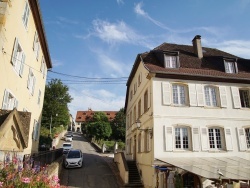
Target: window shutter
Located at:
point(14, 54)
point(204, 139)
point(22, 64)
point(169, 138)
point(192, 95)
point(143, 134)
point(200, 95)
point(242, 139)
point(223, 96)
point(166, 93)
point(34, 130)
point(228, 138)
point(195, 139)
point(33, 86)
point(149, 98)
point(15, 103)
point(5, 100)
point(167, 61)
point(148, 142)
point(236, 97)
point(236, 67)
point(29, 79)
point(34, 42)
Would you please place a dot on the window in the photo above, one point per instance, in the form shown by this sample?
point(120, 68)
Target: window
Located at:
point(146, 101)
point(247, 133)
point(179, 94)
point(131, 94)
point(139, 79)
point(170, 61)
point(18, 58)
point(139, 108)
point(26, 14)
point(211, 96)
point(39, 97)
point(135, 87)
point(139, 142)
point(134, 118)
point(181, 138)
point(130, 119)
point(230, 67)
point(9, 101)
point(31, 82)
point(36, 45)
point(215, 137)
point(35, 130)
point(244, 98)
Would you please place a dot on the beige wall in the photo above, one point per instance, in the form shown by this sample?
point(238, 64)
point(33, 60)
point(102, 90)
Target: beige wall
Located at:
point(10, 79)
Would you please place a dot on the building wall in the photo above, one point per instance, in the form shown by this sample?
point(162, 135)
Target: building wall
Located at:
point(10, 79)
point(197, 116)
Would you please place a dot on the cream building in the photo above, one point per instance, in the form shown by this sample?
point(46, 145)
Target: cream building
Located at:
point(25, 59)
point(193, 107)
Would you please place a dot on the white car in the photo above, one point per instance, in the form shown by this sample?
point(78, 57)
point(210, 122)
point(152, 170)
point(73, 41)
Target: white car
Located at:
point(67, 146)
point(74, 158)
point(68, 138)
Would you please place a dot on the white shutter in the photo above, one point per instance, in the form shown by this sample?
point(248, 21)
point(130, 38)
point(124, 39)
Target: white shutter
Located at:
point(167, 61)
point(200, 94)
point(33, 86)
point(5, 100)
point(195, 139)
point(15, 103)
point(169, 138)
point(14, 54)
point(143, 134)
point(34, 130)
point(242, 139)
point(204, 139)
point(192, 95)
point(29, 79)
point(228, 138)
point(148, 142)
point(223, 96)
point(236, 97)
point(34, 42)
point(166, 93)
point(22, 64)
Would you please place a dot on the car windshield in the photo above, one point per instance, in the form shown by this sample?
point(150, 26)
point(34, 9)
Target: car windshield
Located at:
point(66, 145)
point(73, 154)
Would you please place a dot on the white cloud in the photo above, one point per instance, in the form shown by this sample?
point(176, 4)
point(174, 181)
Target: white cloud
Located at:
point(56, 63)
point(236, 47)
point(97, 100)
point(139, 11)
point(67, 21)
point(120, 2)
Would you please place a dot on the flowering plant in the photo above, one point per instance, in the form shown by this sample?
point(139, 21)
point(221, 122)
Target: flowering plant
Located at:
point(12, 174)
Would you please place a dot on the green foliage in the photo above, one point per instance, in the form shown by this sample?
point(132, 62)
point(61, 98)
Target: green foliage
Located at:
point(119, 126)
point(55, 107)
point(99, 130)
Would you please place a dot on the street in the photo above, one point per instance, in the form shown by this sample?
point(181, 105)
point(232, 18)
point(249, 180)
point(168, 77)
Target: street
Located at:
point(98, 169)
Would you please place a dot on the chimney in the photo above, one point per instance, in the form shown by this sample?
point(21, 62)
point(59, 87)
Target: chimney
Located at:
point(197, 46)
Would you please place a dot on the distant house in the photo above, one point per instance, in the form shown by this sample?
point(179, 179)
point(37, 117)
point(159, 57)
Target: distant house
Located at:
point(86, 116)
point(25, 60)
point(188, 116)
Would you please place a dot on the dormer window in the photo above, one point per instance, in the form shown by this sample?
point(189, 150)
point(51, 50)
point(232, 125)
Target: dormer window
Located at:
point(230, 66)
point(170, 61)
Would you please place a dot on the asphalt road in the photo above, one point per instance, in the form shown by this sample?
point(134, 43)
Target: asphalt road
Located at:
point(98, 170)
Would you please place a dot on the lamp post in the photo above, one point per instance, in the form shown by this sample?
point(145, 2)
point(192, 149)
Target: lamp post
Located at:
point(51, 123)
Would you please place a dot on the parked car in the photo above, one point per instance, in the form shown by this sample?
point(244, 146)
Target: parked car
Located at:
point(68, 138)
point(70, 133)
point(74, 158)
point(67, 146)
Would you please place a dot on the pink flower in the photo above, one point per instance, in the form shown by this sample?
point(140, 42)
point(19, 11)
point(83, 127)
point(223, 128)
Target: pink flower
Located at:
point(25, 180)
point(55, 179)
point(1, 184)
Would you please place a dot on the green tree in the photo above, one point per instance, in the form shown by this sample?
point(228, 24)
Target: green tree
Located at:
point(118, 126)
point(55, 105)
point(99, 127)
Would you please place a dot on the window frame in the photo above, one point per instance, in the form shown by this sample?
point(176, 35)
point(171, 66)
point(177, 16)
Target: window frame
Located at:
point(26, 14)
point(247, 135)
point(214, 141)
point(31, 82)
point(9, 100)
point(189, 139)
point(18, 58)
point(178, 94)
point(244, 100)
point(146, 101)
point(171, 63)
point(210, 96)
point(230, 66)
point(36, 45)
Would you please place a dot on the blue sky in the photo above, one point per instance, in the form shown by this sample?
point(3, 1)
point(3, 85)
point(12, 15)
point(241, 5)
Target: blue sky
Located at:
point(95, 43)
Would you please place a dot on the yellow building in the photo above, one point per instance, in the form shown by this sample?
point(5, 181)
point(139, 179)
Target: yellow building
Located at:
point(24, 61)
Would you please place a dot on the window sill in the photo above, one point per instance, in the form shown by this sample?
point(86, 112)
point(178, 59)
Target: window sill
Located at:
point(217, 151)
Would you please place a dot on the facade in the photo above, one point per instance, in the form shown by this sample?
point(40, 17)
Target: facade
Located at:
point(86, 116)
point(193, 107)
point(25, 59)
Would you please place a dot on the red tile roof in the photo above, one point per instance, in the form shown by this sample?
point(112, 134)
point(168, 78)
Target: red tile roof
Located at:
point(84, 116)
